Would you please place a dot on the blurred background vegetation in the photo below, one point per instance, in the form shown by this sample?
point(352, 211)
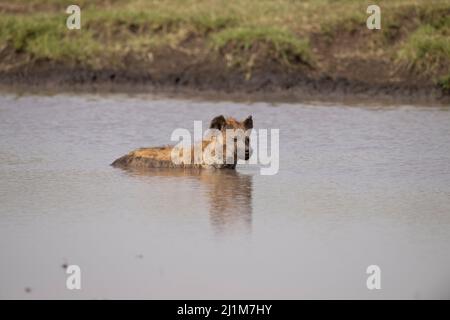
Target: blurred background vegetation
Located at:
point(316, 36)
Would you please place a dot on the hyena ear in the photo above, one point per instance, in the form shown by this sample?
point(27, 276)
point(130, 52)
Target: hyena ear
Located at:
point(248, 123)
point(218, 123)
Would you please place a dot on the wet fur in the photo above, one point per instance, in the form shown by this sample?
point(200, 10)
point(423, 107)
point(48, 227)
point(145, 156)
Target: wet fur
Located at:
point(160, 157)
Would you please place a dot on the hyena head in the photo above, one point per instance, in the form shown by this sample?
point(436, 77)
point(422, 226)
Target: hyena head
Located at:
point(234, 138)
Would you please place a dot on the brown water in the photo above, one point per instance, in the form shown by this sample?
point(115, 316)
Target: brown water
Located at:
point(356, 187)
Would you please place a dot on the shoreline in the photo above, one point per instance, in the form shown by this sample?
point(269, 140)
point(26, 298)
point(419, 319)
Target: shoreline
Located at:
point(270, 87)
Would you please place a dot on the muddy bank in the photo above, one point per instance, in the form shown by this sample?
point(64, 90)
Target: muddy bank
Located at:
point(213, 80)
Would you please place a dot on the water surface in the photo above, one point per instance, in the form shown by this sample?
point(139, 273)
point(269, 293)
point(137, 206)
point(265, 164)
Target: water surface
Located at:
point(356, 186)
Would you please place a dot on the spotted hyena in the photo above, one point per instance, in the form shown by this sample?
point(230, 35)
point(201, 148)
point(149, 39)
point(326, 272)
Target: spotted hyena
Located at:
point(226, 144)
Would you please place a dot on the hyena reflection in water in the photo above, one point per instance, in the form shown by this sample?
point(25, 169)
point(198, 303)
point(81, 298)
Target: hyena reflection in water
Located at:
point(228, 193)
point(228, 142)
point(230, 197)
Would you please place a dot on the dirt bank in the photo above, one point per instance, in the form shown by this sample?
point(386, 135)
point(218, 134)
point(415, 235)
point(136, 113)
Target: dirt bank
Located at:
point(174, 72)
point(225, 50)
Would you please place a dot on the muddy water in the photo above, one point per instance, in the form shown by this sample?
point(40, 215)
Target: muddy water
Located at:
point(356, 187)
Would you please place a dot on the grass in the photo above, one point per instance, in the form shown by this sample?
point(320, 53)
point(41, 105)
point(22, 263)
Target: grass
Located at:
point(414, 33)
point(426, 50)
point(149, 21)
point(280, 44)
point(444, 82)
point(45, 37)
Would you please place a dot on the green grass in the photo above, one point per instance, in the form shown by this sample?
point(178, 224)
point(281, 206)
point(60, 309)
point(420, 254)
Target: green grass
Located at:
point(444, 82)
point(426, 50)
point(280, 43)
point(46, 37)
point(424, 31)
point(19, 32)
point(414, 33)
point(149, 21)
